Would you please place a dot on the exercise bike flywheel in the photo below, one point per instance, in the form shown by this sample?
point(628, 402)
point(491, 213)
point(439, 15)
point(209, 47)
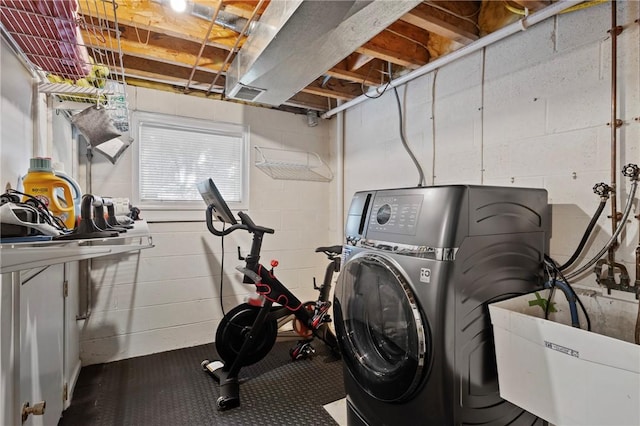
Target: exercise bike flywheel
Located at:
point(233, 329)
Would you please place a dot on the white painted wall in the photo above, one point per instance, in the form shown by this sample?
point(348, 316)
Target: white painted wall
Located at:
point(169, 296)
point(529, 111)
point(47, 360)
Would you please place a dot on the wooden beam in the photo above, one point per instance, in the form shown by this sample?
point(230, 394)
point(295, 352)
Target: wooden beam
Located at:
point(147, 15)
point(532, 4)
point(369, 75)
point(433, 20)
point(142, 66)
point(239, 8)
point(159, 47)
point(310, 101)
point(400, 43)
point(357, 61)
point(333, 88)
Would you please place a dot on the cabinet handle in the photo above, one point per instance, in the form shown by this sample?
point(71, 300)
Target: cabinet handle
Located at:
point(36, 410)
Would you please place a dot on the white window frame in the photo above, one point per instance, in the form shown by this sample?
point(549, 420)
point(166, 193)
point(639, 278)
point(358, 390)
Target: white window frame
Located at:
point(171, 211)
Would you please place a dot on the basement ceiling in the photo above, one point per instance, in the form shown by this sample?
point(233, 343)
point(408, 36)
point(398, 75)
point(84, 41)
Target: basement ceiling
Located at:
point(291, 55)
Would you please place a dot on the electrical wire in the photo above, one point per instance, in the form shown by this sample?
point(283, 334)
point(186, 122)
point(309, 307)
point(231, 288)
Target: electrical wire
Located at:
point(222, 269)
point(404, 140)
point(42, 209)
point(433, 127)
point(384, 89)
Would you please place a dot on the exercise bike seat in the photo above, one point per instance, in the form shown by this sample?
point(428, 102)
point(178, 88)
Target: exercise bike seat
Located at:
point(331, 249)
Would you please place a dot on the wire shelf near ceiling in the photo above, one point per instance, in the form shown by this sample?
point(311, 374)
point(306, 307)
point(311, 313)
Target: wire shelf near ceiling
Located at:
point(73, 46)
point(292, 165)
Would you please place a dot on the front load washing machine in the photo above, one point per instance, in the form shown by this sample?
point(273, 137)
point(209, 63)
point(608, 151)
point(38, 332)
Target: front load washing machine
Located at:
point(420, 266)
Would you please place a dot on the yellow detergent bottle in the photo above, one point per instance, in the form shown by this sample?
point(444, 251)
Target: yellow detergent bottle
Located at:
point(42, 183)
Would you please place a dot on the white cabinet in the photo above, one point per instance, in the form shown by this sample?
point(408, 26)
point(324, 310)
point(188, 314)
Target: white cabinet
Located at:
point(42, 343)
point(39, 345)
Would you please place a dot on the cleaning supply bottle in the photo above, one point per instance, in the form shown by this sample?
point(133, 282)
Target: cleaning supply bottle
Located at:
point(53, 191)
point(75, 189)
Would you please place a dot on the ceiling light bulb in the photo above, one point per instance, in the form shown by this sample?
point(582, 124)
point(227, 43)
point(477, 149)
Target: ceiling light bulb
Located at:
point(178, 5)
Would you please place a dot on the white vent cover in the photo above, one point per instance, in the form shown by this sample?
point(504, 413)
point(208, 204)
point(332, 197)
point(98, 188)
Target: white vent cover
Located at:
point(245, 93)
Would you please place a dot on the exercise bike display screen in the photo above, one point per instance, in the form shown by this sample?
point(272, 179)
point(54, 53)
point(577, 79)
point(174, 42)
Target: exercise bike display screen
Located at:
point(212, 197)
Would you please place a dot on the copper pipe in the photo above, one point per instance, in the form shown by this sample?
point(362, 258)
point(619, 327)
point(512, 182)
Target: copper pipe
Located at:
point(204, 44)
point(614, 31)
point(235, 46)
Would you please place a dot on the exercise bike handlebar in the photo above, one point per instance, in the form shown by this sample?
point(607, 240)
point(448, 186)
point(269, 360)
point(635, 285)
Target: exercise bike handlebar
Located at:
point(252, 227)
point(247, 224)
point(214, 231)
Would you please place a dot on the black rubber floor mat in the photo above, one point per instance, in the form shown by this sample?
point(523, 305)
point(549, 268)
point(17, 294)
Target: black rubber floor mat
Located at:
point(170, 388)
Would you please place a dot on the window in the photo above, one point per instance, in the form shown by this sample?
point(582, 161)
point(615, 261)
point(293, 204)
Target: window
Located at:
point(175, 153)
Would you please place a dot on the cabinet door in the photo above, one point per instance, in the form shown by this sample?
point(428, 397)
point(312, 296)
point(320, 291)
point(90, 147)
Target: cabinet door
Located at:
point(72, 332)
point(42, 342)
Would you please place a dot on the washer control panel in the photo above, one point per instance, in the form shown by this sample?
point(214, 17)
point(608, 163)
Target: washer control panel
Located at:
point(397, 214)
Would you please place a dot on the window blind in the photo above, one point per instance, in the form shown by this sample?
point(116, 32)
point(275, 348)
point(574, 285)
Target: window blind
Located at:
point(173, 159)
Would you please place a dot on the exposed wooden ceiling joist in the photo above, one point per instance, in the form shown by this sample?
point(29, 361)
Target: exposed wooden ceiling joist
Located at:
point(333, 88)
point(357, 60)
point(438, 22)
point(150, 16)
point(311, 101)
point(137, 66)
point(369, 75)
point(162, 49)
point(240, 8)
point(533, 4)
point(161, 45)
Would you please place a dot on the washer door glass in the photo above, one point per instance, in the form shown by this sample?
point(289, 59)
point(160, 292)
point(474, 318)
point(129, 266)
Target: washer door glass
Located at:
point(381, 332)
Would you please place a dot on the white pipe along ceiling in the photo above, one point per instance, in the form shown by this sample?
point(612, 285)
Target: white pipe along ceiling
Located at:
point(520, 25)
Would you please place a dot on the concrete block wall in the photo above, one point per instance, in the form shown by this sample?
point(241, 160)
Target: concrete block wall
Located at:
point(168, 297)
point(530, 111)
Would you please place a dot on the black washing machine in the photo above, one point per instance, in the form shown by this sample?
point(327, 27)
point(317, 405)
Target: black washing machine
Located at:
point(420, 266)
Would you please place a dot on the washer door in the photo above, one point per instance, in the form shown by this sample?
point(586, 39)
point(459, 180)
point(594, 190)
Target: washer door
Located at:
point(383, 338)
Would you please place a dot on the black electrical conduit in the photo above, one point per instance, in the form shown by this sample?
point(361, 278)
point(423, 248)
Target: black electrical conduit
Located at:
point(603, 190)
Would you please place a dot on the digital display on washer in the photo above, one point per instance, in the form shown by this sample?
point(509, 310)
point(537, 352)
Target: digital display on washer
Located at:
point(396, 214)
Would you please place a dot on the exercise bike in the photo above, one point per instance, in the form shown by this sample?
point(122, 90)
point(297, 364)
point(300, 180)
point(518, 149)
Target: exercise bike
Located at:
point(248, 332)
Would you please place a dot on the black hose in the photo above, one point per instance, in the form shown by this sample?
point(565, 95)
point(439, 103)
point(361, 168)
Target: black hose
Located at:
point(571, 299)
point(549, 261)
point(585, 237)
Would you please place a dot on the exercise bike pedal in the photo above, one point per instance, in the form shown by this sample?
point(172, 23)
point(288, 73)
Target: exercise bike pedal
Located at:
point(302, 350)
point(212, 367)
point(227, 402)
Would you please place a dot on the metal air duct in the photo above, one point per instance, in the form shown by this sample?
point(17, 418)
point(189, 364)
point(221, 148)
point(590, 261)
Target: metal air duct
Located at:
point(296, 41)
